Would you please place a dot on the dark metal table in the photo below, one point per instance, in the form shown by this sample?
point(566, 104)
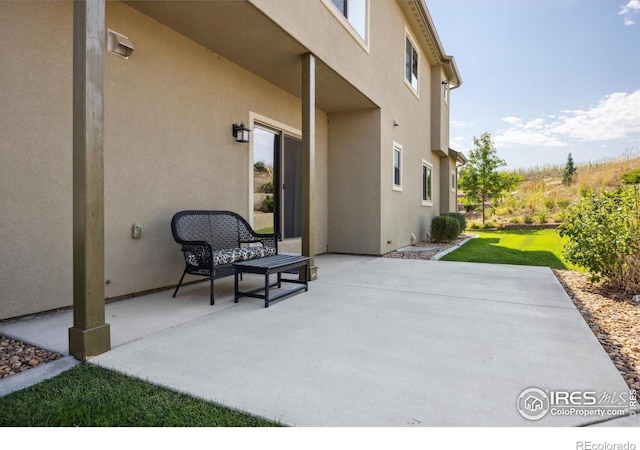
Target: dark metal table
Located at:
point(270, 265)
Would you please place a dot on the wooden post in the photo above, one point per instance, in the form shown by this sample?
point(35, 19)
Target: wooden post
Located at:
point(90, 335)
point(308, 160)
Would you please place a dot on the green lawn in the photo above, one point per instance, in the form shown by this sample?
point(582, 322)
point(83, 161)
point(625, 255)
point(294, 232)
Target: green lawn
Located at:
point(89, 396)
point(521, 247)
point(268, 230)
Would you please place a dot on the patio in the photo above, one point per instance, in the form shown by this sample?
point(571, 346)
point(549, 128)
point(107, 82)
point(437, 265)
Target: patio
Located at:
point(375, 342)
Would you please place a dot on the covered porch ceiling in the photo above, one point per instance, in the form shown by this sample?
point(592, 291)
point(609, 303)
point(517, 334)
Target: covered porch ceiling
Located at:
point(244, 35)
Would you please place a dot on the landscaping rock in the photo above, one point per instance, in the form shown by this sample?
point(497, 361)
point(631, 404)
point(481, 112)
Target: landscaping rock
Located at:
point(17, 357)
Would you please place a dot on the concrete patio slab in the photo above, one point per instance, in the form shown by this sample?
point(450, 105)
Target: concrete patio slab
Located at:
point(375, 342)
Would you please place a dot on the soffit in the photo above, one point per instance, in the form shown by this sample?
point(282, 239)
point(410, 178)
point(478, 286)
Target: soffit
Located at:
point(245, 36)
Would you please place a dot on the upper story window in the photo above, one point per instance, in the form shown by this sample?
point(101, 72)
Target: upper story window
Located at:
point(411, 64)
point(445, 91)
point(397, 167)
point(355, 13)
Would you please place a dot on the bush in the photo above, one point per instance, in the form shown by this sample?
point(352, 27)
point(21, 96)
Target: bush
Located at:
point(268, 204)
point(459, 217)
point(542, 216)
point(444, 229)
point(527, 219)
point(550, 203)
point(563, 203)
point(604, 237)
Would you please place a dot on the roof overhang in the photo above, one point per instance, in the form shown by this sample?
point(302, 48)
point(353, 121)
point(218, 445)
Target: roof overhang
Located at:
point(417, 12)
point(458, 156)
point(241, 33)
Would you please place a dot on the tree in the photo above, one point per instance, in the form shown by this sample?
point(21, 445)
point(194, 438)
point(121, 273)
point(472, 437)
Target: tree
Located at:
point(479, 178)
point(569, 172)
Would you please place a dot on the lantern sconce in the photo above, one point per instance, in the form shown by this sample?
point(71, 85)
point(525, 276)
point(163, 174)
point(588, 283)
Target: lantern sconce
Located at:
point(240, 132)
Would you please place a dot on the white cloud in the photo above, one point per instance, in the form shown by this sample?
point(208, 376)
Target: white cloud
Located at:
point(633, 7)
point(522, 136)
point(515, 121)
point(617, 116)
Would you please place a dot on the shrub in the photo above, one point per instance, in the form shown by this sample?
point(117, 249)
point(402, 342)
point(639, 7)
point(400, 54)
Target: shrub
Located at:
point(515, 220)
point(268, 188)
point(542, 216)
point(604, 237)
point(459, 217)
point(527, 219)
point(550, 203)
point(268, 203)
point(444, 229)
point(563, 203)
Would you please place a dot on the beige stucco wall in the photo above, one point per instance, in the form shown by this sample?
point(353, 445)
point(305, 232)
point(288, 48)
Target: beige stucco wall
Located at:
point(378, 72)
point(168, 147)
point(354, 189)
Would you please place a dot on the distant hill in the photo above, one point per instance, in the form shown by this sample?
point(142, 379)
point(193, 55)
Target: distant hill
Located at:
point(541, 196)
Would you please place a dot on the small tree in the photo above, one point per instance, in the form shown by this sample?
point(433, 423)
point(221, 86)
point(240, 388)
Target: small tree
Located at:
point(569, 172)
point(479, 178)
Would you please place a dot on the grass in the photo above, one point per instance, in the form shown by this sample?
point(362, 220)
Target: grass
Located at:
point(89, 396)
point(520, 247)
point(267, 230)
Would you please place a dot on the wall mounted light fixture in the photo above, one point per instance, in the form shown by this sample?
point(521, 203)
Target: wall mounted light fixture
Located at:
point(119, 44)
point(240, 132)
point(445, 83)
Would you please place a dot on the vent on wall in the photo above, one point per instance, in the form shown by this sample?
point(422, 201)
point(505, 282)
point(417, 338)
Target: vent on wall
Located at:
point(119, 44)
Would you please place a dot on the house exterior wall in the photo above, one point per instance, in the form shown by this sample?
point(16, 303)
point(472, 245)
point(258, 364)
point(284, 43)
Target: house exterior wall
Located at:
point(378, 72)
point(168, 143)
point(354, 190)
point(168, 147)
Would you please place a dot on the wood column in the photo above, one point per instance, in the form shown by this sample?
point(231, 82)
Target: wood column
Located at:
point(90, 335)
point(309, 160)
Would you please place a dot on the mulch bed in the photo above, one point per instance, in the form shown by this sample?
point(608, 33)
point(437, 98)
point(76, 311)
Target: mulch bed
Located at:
point(17, 357)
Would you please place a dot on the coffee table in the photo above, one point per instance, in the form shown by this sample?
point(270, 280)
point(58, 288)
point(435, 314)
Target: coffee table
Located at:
point(271, 265)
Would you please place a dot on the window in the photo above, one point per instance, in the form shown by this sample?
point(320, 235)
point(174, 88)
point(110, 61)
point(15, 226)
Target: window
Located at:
point(427, 181)
point(453, 181)
point(412, 59)
point(397, 167)
point(355, 11)
point(445, 91)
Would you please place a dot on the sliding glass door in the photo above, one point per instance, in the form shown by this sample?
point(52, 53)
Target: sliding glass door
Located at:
point(277, 181)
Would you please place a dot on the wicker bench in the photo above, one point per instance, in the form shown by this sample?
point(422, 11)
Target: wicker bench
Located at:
point(213, 240)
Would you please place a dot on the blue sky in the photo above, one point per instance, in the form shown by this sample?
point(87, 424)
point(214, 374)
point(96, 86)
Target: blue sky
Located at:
point(544, 77)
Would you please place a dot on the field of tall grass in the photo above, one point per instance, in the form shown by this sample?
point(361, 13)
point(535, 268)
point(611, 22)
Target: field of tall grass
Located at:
point(541, 197)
